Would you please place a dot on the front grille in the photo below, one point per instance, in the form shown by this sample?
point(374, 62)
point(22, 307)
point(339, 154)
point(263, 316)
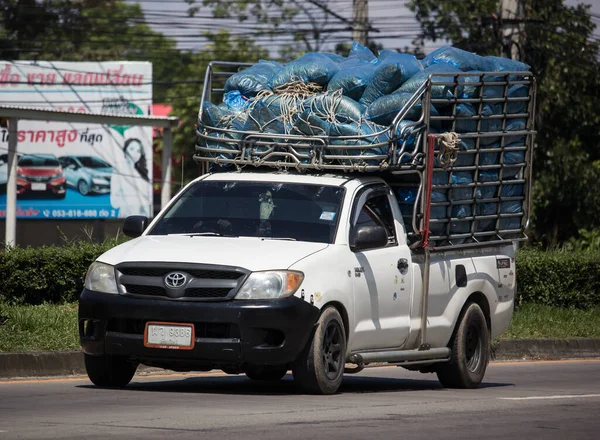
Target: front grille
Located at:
point(204, 282)
point(39, 178)
point(161, 272)
point(201, 329)
point(145, 290)
point(200, 292)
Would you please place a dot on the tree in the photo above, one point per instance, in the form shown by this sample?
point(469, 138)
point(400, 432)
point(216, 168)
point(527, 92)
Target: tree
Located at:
point(309, 23)
point(100, 30)
point(88, 30)
point(186, 97)
point(559, 47)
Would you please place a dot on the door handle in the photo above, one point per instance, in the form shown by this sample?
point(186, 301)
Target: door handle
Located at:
point(403, 265)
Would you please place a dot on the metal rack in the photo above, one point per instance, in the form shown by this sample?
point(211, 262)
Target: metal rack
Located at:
point(408, 158)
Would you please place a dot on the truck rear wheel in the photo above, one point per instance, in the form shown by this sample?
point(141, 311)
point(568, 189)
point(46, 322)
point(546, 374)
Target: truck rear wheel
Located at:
point(266, 372)
point(109, 371)
point(470, 345)
point(320, 367)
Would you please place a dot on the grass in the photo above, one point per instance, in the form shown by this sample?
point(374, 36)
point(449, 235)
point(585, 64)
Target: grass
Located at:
point(44, 327)
point(538, 321)
point(54, 327)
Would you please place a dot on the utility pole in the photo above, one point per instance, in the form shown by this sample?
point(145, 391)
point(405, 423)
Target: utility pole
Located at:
point(513, 28)
point(360, 21)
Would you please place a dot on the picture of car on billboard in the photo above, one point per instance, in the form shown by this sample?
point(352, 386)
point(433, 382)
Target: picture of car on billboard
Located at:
point(40, 175)
point(87, 174)
point(73, 170)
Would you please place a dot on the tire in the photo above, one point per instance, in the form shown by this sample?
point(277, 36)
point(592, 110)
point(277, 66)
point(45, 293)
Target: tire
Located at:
point(470, 345)
point(83, 187)
point(267, 372)
point(109, 371)
point(319, 369)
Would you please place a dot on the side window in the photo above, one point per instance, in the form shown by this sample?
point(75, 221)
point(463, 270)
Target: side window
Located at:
point(376, 211)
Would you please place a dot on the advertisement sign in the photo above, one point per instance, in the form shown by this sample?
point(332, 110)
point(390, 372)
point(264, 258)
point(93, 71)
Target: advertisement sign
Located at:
point(79, 171)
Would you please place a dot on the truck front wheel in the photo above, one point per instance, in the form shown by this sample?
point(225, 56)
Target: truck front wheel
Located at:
point(109, 371)
point(470, 345)
point(320, 367)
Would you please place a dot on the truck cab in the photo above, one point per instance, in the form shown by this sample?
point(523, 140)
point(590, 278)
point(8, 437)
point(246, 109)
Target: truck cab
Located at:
point(263, 272)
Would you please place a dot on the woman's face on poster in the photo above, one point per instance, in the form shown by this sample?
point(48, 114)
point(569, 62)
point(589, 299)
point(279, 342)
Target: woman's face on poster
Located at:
point(135, 151)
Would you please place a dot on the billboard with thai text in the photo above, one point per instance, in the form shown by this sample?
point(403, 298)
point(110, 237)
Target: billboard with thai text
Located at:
point(79, 171)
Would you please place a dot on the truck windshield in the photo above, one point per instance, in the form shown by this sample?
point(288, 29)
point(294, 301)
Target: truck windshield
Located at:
point(290, 211)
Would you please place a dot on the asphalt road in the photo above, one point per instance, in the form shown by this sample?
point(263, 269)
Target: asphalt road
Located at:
point(546, 400)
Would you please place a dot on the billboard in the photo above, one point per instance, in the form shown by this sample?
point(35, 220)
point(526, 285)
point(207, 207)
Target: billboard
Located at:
point(79, 171)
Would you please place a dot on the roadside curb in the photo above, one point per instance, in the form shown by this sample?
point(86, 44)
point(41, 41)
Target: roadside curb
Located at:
point(547, 349)
point(67, 363)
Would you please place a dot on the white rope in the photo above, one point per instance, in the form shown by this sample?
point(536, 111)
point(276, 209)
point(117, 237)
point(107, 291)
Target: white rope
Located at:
point(448, 151)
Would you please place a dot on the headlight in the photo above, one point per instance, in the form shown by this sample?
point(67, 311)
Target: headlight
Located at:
point(101, 278)
point(21, 176)
point(56, 176)
point(99, 180)
point(270, 285)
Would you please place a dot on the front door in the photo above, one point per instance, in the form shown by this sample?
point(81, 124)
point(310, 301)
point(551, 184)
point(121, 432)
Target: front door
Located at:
point(382, 277)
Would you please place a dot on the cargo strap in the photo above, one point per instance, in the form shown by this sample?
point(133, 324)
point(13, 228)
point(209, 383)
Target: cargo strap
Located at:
point(448, 149)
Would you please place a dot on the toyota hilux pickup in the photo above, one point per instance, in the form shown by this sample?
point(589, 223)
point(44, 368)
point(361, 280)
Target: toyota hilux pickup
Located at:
point(295, 265)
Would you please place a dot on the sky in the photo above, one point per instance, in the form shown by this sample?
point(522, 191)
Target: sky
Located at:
point(397, 24)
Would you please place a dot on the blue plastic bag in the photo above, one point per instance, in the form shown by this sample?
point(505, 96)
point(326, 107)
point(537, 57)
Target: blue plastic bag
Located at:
point(461, 59)
point(344, 108)
point(332, 56)
point(384, 110)
point(437, 91)
point(513, 207)
point(470, 126)
point(383, 54)
point(471, 90)
point(466, 153)
point(361, 52)
point(390, 74)
point(220, 117)
point(498, 64)
point(515, 157)
point(234, 100)
point(517, 91)
point(253, 79)
point(312, 67)
point(353, 77)
point(461, 178)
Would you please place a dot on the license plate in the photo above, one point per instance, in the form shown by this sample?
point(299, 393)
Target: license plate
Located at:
point(38, 187)
point(168, 335)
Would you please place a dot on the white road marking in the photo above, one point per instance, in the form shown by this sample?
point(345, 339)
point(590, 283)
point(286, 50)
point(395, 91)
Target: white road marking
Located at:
point(559, 396)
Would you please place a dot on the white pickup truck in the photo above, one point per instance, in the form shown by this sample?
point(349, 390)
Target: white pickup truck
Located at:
point(279, 268)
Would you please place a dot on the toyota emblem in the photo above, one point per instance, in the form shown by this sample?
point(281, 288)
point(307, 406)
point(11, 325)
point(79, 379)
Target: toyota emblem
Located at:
point(175, 280)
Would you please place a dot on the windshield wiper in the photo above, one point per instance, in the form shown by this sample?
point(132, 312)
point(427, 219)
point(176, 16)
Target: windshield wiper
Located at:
point(278, 238)
point(203, 234)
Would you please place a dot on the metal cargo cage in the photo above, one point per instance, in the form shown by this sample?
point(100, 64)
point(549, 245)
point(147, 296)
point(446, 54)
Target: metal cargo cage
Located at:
point(460, 169)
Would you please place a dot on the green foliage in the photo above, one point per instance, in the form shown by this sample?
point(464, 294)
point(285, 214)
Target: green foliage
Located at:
point(49, 274)
point(539, 321)
point(558, 43)
point(88, 30)
point(101, 30)
point(309, 22)
point(43, 327)
point(558, 279)
point(186, 97)
point(587, 241)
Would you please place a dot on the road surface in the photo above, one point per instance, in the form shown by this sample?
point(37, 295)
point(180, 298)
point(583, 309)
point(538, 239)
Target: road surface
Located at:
point(549, 400)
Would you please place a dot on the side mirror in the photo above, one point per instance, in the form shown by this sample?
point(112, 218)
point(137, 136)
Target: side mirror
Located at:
point(369, 237)
point(135, 225)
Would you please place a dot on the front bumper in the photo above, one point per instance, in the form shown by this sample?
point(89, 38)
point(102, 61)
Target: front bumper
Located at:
point(228, 334)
